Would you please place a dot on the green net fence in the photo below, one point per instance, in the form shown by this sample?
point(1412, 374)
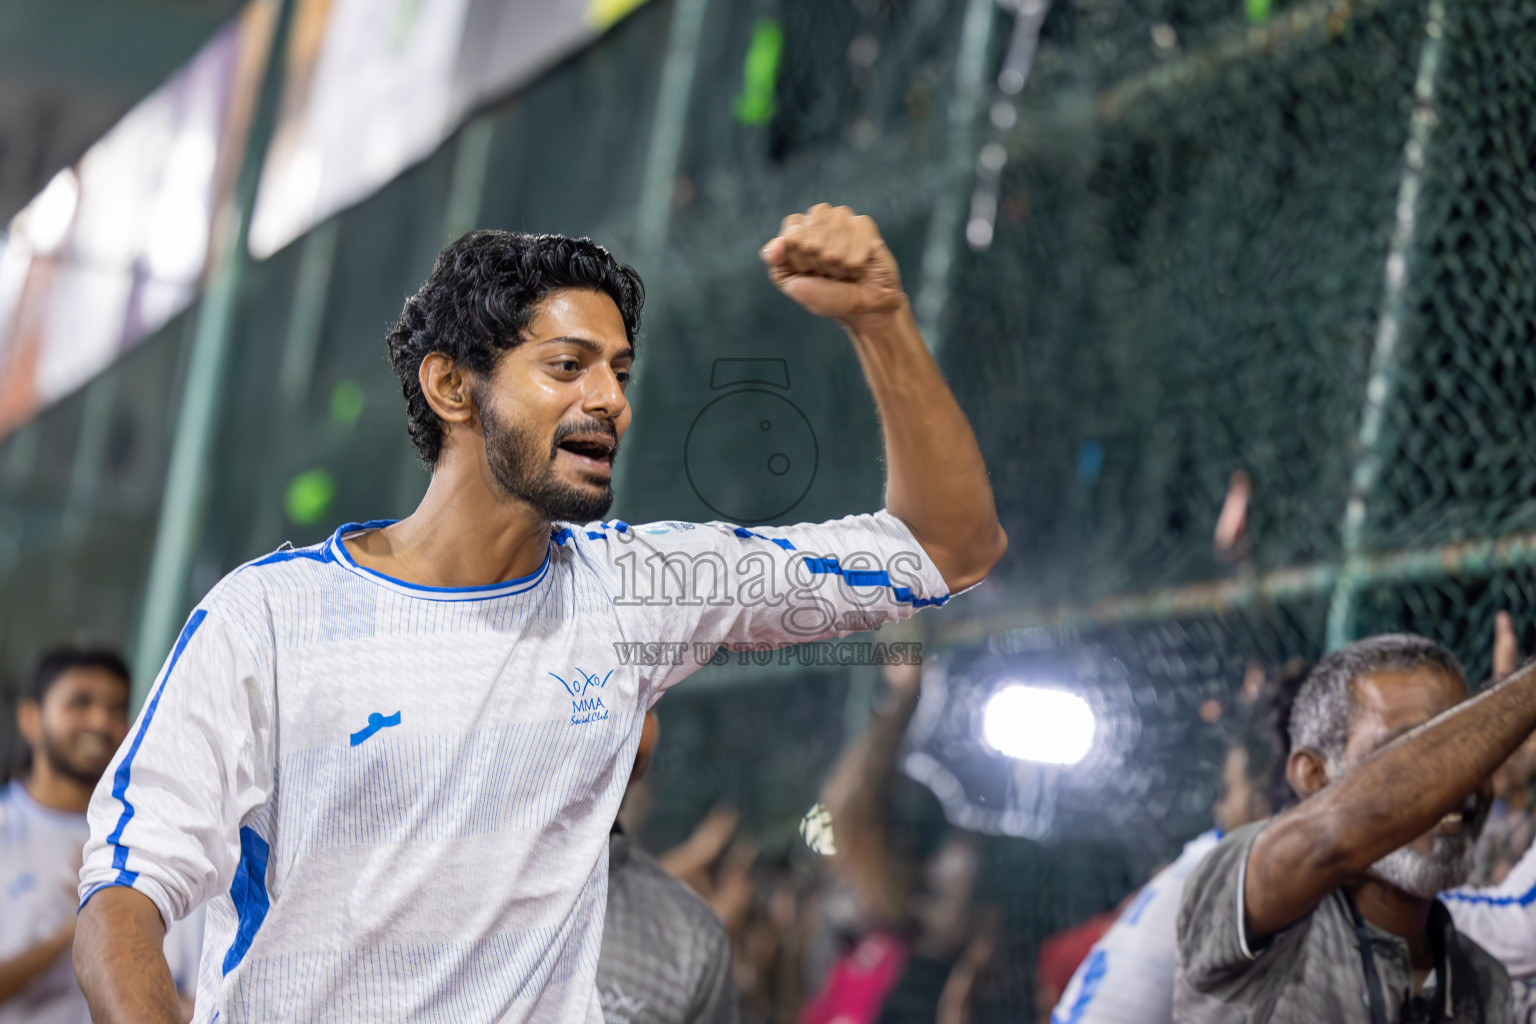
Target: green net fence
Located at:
point(1224, 234)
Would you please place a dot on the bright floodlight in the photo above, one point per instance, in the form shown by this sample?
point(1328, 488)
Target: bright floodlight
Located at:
point(1035, 724)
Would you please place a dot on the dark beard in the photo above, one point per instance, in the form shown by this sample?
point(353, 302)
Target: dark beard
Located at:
point(523, 471)
point(63, 764)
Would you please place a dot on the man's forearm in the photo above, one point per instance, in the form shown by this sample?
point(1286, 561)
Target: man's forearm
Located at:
point(17, 972)
point(936, 481)
point(1393, 797)
point(862, 780)
point(1398, 794)
point(120, 960)
point(857, 797)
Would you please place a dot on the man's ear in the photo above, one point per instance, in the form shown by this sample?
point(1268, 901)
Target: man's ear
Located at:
point(1307, 771)
point(447, 388)
point(29, 718)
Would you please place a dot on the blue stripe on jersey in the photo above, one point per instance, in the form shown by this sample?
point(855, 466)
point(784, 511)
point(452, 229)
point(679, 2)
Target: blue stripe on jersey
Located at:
point(249, 893)
point(872, 578)
point(121, 778)
point(320, 554)
point(1525, 899)
point(780, 541)
point(1093, 977)
point(1133, 913)
point(601, 533)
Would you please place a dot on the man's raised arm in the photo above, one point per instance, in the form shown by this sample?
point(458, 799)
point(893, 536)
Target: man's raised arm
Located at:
point(120, 960)
point(1391, 798)
point(836, 265)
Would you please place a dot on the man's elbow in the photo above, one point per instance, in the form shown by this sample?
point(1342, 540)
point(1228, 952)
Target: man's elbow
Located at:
point(1320, 844)
point(973, 563)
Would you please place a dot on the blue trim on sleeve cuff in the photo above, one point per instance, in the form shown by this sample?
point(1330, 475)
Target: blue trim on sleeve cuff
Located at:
point(1525, 899)
point(114, 884)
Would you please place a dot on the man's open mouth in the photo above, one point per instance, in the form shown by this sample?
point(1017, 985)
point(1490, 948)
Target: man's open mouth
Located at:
point(594, 452)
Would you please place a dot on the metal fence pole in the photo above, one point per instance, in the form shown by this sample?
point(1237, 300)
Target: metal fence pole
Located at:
point(653, 213)
point(186, 481)
point(1381, 386)
point(946, 222)
point(461, 214)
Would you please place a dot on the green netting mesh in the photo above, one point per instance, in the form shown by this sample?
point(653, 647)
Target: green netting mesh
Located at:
point(1187, 277)
point(1462, 462)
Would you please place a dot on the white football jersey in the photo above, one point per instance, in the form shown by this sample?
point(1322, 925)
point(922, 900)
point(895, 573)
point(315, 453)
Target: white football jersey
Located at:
point(398, 798)
point(40, 852)
point(1502, 918)
point(1127, 977)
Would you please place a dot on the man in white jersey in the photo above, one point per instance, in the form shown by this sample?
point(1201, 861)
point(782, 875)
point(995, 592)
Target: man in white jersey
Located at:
point(391, 761)
point(1502, 917)
point(1127, 977)
point(73, 716)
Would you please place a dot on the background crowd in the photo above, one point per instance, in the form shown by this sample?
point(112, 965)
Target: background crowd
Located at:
point(882, 922)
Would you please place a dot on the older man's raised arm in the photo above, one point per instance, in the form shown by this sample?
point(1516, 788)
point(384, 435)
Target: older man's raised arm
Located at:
point(836, 265)
point(1388, 799)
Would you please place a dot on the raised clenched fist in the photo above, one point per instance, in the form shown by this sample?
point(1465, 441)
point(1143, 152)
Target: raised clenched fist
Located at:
point(834, 263)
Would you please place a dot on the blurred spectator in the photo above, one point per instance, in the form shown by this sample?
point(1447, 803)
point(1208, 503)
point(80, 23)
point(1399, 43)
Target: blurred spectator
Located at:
point(1059, 964)
point(764, 909)
point(717, 864)
point(1328, 912)
point(1497, 909)
point(1127, 977)
point(775, 933)
point(73, 716)
point(1511, 826)
point(909, 942)
point(1502, 920)
point(1231, 542)
point(665, 957)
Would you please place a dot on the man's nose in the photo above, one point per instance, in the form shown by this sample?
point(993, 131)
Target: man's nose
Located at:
point(605, 395)
point(100, 718)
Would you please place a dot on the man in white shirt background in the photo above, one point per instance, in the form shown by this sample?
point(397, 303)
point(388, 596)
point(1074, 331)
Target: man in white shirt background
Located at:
point(73, 717)
point(392, 761)
point(1128, 975)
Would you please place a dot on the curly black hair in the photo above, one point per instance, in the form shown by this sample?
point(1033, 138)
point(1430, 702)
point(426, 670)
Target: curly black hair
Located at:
point(479, 299)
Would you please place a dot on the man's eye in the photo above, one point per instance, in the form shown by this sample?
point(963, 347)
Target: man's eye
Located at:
point(623, 376)
point(568, 365)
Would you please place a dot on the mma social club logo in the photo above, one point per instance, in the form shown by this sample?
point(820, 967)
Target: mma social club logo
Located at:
point(586, 706)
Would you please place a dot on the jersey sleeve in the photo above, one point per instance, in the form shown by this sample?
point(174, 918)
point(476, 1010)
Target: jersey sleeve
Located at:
point(1128, 974)
point(702, 585)
point(1501, 918)
point(165, 818)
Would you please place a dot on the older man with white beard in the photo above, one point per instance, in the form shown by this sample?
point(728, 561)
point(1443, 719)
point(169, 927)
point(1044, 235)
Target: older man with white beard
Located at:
point(1328, 912)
